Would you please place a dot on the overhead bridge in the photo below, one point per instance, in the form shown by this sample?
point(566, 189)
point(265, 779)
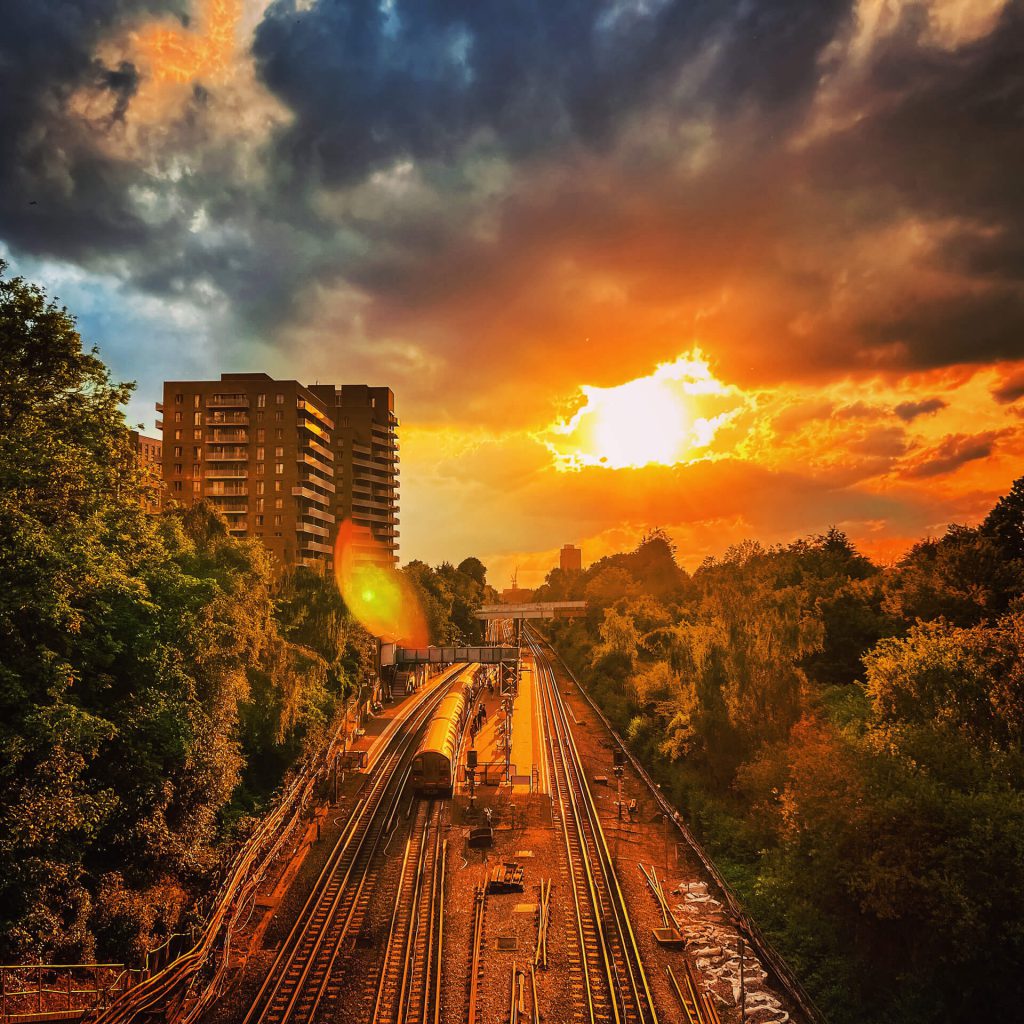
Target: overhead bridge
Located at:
point(536, 610)
point(392, 655)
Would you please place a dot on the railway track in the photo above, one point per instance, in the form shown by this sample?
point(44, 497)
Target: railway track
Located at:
point(302, 982)
point(613, 986)
point(407, 990)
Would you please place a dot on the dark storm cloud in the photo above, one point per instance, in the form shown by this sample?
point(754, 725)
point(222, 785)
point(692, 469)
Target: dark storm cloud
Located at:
point(57, 196)
point(1010, 389)
point(371, 82)
point(954, 452)
point(946, 142)
point(539, 83)
point(909, 411)
point(969, 327)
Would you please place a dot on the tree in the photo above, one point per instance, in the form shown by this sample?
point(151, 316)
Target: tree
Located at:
point(1005, 523)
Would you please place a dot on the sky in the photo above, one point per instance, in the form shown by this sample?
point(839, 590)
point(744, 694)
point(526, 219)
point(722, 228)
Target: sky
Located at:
point(732, 269)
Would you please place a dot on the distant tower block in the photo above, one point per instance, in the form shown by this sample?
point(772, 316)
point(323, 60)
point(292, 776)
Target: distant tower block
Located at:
point(570, 559)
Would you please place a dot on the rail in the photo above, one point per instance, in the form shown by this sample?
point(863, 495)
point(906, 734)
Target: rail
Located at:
point(608, 945)
point(300, 979)
point(192, 983)
point(761, 943)
point(408, 988)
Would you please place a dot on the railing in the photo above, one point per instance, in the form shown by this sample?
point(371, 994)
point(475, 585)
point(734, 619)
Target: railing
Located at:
point(188, 986)
point(46, 991)
point(227, 401)
point(303, 406)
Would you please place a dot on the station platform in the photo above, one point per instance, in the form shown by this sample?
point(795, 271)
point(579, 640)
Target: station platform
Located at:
point(528, 769)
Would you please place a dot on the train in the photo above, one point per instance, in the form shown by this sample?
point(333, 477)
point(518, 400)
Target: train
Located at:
point(436, 760)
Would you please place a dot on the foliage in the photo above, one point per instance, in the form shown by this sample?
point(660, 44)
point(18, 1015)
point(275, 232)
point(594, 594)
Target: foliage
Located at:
point(153, 671)
point(849, 741)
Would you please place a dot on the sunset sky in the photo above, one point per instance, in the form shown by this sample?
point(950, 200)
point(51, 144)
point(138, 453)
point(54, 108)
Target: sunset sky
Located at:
point(738, 270)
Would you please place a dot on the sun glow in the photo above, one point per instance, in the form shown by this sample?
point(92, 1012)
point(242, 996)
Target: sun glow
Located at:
point(662, 419)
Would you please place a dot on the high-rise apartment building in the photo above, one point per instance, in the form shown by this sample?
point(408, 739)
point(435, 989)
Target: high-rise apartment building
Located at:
point(150, 462)
point(366, 461)
point(570, 558)
point(285, 463)
point(260, 449)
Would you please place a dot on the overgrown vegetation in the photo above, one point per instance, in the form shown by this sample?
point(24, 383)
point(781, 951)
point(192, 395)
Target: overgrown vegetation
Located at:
point(847, 740)
point(156, 678)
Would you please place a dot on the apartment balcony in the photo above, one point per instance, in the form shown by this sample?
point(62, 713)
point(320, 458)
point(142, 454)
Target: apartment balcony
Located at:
point(324, 483)
point(238, 419)
point(310, 495)
point(307, 407)
point(227, 473)
point(305, 423)
point(304, 526)
point(223, 454)
point(237, 530)
point(309, 459)
point(325, 453)
point(159, 424)
point(215, 491)
point(227, 401)
point(312, 512)
point(376, 516)
point(233, 510)
point(313, 545)
point(225, 440)
point(311, 563)
point(159, 406)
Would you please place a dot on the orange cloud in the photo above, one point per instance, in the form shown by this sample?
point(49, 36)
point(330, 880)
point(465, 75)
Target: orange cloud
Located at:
point(172, 53)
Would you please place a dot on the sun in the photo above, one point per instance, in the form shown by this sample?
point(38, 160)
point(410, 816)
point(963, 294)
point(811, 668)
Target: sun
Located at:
point(636, 423)
point(660, 419)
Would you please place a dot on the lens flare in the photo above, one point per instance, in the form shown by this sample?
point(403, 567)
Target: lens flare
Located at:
point(379, 596)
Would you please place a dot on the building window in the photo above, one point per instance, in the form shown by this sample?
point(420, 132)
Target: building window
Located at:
point(278, 416)
point(277, 520)
point(259, 417)
point(195, 486)
point(177, 417)
point(195, 401)
point(279, 434)
point(279, 399)
point(277, 485)
point(197, 419)
point(259, 520)
point(260, 453)
point(260, 485)
point(279, 503)
point(177, 468)
point(260, 434)
point(178, 399)
point(260, 469)
point(177, 435)
point(195, 469)
point(261, 401)
point(177, 451)
point(197, 435)
point(177, 485)
point(279, 452)
point(197, 453)
point(278, 468)
point(259, 504)
point(278, 533)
